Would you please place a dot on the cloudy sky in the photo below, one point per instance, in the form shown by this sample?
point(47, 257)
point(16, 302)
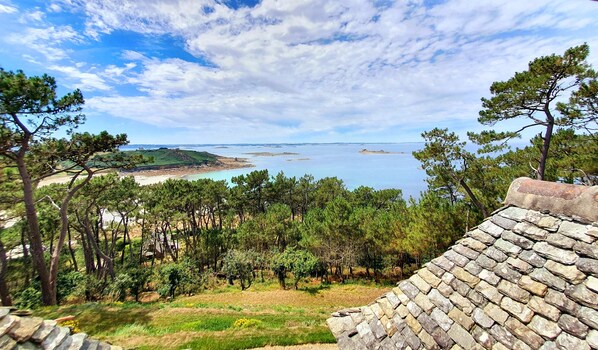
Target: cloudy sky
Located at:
point(250, 71)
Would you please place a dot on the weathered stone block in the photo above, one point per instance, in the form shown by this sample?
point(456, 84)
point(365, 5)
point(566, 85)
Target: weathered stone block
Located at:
point(519, 265)
point(576, 231)
point(561, 302)
point(573, 326)
point(547, 222)
point(441, 318)
point(587, 265)
point(445, 289)
point(502, 335)
point(456, 258)
point(507, 247)
point(429, 277)
point(473, 268)
point(465, 276)
point(461, 318)
point(440, 301)
point(518, 240)
point(386, 307)
point(408, 289)
point(480, 317)
point(518, 310)
point(6, 342)
point(489, 291)
point(442, 338)
point(377, 310)
point(413, 308)
point(462, 303)
point(477, 298)
point(505, 271)
point(402, 311)
point(377, 329)
point(530, 230)
point(59, 334)
point(427, 340)
point(411, 338)
point(532, 286)
point(25, 328)
point(544, 327)
point(424, 302)
point(495, 254)
point(7, 323)
point(513, 291)
point(496, 313)
point(522, 332)
point(485, 262)
point(568, 272)
point(427, 322)
point(443, 263)
point(567, 341)
point(435, 269)
point(544, 276)
point(489, 277)
point(582, 295)
point(539, 306)
point(461, 336)
point(483, 338)
point(413, 323)
point(43, 331)
point(514, 213)
point(491, 228)
point(460, 286)
point(465, 251)
point(546, 250)
point(586, 250)
point(419, 282)
point(532, 258)
point(558, 240)
point(592, 339)
point(393, 300)
point(482, 237)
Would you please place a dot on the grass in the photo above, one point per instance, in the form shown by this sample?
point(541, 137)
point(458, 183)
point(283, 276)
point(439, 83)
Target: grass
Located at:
point(223, 320)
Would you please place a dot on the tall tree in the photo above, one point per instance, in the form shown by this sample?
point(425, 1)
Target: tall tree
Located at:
point(532, 95)
point(448, 165)
point(30, 113)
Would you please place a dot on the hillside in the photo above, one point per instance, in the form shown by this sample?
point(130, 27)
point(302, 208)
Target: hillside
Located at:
point(163, 158)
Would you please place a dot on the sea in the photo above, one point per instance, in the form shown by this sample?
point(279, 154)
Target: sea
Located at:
point(394, 167)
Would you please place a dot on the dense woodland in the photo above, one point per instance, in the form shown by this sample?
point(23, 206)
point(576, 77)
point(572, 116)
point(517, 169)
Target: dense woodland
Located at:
point(105, 237)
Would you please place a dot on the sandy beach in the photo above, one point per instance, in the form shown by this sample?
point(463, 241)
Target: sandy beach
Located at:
point(147, 177)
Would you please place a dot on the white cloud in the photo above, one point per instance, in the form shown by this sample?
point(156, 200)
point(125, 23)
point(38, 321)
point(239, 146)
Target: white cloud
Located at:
point(8, 8)
point(284, 69)
point(78, 79)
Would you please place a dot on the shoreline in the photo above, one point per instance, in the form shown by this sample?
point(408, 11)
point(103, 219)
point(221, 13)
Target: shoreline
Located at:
point(148, 177)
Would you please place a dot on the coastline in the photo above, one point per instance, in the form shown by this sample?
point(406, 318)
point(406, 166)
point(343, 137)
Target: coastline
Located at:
point(148, 177)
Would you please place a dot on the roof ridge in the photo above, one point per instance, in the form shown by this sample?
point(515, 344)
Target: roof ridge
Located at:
point(576, 201)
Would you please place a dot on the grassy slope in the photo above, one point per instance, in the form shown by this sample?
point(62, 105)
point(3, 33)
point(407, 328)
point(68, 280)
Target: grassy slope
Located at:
point(207, 321)
point(167, 157)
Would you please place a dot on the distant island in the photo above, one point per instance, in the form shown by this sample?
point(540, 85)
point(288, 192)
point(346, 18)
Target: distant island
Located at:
point(174, 162)
point(271, 154)
point(366, 151)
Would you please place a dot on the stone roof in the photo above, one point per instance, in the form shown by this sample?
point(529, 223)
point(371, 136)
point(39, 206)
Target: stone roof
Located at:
point(25, 332)
point(526, 278)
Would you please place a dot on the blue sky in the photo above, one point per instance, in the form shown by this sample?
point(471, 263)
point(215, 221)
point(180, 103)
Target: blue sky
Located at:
point(250, 71)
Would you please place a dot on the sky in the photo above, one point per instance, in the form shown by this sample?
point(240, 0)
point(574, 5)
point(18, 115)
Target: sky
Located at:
point(289, 71)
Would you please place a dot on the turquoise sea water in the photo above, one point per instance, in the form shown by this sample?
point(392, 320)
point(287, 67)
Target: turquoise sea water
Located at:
point(398, 170)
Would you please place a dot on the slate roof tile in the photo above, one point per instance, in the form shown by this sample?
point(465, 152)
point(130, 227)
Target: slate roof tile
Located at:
point(525, 278)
